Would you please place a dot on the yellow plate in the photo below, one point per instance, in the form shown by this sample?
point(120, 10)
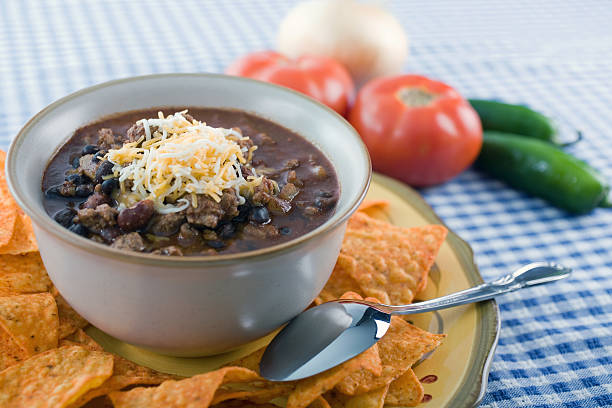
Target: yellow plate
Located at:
point(459, 366)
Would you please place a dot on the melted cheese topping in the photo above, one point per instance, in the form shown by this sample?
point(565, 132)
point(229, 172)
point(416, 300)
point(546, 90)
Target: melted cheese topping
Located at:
point(176, 157)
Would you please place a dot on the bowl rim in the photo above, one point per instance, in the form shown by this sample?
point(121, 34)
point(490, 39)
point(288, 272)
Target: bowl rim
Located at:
point(46, 222)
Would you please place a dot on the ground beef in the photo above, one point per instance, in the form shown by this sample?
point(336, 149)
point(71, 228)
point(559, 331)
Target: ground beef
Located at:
point(67, 189)
point(267, 231)
point(166, 224)
point(103, 216)
point(292, 164)
point(293, 179)
point(135, 132)
point(97, 199)
point(229, 204)
point(245, 144)
point(209, 235)
point(264, 139)
point(188, 235)
point(288, 192)
point(107, 140)
point(263, 192)
point(132, 242)
point(208, 212)
point(168, 251)
point(88, 166)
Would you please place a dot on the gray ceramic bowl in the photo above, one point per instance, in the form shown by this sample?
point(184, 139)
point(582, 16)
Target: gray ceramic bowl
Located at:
point(193, 305)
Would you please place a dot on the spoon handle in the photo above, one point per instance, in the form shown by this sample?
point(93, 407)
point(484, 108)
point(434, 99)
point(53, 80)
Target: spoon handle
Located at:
point(530, 275)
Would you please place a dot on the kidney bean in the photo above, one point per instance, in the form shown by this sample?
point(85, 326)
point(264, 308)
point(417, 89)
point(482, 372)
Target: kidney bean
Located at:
point(137, 216)
point(79, 229)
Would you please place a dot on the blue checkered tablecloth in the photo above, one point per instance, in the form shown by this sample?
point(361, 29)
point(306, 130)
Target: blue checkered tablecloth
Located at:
point(555, 348)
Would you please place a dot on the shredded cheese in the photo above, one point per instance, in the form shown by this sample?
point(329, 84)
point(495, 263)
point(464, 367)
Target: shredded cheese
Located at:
point(175, 158)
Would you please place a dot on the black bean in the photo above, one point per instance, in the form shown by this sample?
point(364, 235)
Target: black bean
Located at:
point(226, 231)
point(64, 217)
point(325, 194)
point(90, 149)
point(77, 179)
point(79, 229)
point(99, 156)
point(104, 169)
point(53, 190)
point(109, 185)
point(285, 230)
point(243, 215)
point(260, 215)
point(84, 190)
point(215, 244)
point(75, 162)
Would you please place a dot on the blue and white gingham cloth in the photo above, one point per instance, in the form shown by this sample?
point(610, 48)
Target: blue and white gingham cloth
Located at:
point(555, 348)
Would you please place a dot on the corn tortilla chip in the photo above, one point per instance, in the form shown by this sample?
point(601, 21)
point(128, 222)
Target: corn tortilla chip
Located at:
point(251, 361)
point(20, 274)
point(258, 392)
point(405, 391)
point(69, 320)
point(242, 404)
point(309, 389)
point(425, 240)
point(31, 320)
point(399, 349)
point(55, 378)
point(319, 403)
point(23, 240)
point(125, 372)
point(368, 204)
point(341, 280)
point(371, 399)
point(8, 206)
point(10, 351)
point(194, 392)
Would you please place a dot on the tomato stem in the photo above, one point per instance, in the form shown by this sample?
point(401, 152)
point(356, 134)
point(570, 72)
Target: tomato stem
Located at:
point(415, 97)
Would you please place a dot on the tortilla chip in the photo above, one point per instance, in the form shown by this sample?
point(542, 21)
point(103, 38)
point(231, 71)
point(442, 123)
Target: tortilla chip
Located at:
point(31, 320)
point(405, 391)
point(8, 207)
point(242, 404)
point(10, 351)
point(21, 274)
point(371, 399)
point(81, 338)
point(69, 320)
point(399, 349)
point(258, 392)
point(54, 378)
point(194, 392)
point(319, 403)
point(368, 204)
point(425, 240)
point(309, 389)
point(251, 361)
point(125, 372)
point(341, 280)
point(23, 240)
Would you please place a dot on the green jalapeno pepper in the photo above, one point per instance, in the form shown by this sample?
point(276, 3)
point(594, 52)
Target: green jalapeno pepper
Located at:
point(543, 170)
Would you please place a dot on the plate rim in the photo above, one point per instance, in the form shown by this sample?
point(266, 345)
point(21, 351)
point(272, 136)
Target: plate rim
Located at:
point(474, 385)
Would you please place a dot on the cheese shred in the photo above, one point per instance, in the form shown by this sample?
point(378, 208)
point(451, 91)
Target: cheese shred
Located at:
point(175, 157)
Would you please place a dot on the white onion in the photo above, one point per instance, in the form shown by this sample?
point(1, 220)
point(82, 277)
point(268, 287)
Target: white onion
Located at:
point(364, 37)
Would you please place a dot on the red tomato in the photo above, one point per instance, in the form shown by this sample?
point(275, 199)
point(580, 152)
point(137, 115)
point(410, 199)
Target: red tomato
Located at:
point(417, 130)
point(322, 78)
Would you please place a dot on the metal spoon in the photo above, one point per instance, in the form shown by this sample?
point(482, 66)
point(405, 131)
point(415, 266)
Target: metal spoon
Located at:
point(334, 332)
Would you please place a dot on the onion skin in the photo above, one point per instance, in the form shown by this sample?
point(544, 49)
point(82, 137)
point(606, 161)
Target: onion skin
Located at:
point(365, 38)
